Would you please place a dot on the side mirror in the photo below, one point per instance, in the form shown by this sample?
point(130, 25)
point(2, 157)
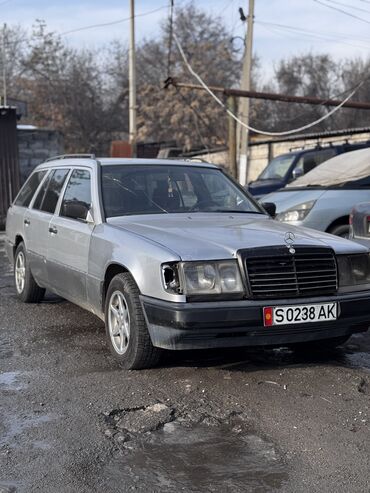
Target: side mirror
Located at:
point(77, 210)
point(297, 173)
point(270, 208)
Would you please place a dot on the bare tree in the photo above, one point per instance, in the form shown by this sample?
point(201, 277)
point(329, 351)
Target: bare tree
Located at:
point(185, 116)
point(84, 93)
point(314, 75)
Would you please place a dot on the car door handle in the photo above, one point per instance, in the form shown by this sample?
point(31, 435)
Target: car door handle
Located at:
point(53, 230)
point(27, 222)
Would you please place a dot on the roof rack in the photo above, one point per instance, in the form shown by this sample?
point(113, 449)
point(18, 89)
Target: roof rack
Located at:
point(186, 159)
point(67, 156)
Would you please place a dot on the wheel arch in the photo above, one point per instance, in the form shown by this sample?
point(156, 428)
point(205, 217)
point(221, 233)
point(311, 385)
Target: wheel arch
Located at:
point(18, 239)
point(111, 271)
point(340, 221)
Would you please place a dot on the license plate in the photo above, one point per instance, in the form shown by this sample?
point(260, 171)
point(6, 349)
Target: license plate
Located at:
point(299, 314)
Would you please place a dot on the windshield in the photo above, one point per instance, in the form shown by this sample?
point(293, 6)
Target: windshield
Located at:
point(163, 189)
point(277, 168)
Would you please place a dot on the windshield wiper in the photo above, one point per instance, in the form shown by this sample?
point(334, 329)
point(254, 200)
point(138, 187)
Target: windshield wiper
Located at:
point(235, 211)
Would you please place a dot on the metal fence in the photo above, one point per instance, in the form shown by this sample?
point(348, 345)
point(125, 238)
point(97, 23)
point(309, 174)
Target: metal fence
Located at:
point(9, 164)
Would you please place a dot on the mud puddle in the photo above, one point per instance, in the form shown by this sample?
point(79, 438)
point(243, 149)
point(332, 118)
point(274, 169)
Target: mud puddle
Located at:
point(16, 426)
point(200, 458)
point(6, 350)
point(10, 380)
point(9, 486)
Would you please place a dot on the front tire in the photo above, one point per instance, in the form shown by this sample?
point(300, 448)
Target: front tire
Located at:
point(127, 333)
point(26, 287)
point(342, 230)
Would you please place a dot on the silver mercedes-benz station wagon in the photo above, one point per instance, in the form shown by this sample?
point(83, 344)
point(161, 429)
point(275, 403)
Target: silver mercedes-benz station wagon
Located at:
point(176, 255)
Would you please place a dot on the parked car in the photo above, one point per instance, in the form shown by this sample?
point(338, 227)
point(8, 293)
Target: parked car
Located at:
point(176, 255)
point(323, 198)
point(359, 221)
point(288, 167)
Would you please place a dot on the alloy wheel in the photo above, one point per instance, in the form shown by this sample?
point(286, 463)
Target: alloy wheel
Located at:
point(119, 322)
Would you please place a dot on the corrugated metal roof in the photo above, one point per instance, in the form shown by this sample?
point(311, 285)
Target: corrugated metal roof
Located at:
point(317, 135)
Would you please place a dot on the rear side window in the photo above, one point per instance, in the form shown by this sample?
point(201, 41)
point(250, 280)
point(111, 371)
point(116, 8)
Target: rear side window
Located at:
point(29, 188)
point(78, 193)
point(48, 196)
point(310, 160)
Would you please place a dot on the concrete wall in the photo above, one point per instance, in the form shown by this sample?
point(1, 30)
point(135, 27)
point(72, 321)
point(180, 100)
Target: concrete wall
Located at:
point(35, 145)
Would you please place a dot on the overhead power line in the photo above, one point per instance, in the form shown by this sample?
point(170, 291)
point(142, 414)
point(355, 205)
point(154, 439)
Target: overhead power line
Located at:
point(227, 5)
point(262, 132)
point(343, 11)
point(112, 23)
point(340, 35)
point(314, 38)
point(284, 30)
point(353, 7)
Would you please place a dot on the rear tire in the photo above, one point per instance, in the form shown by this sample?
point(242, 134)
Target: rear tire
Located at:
point(320, 347)
point(127, 333)
point(26, 287)
point(342, 230)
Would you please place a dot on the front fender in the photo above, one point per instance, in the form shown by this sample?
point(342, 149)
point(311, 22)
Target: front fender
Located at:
point(140, 256)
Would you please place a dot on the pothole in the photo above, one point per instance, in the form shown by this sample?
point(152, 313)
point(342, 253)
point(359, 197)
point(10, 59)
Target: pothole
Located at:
point(199, 458)
point(123, 424)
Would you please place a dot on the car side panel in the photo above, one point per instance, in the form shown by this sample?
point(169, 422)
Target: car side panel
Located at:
point(67, 257)
point(140, 256)
point(14, 228)
point(36, 233)
point(332, 205)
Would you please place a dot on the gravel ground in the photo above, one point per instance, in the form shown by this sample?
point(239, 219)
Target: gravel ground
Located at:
point(225, 421)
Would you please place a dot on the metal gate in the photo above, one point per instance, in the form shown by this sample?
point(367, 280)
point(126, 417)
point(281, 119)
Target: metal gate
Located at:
point(9, 164)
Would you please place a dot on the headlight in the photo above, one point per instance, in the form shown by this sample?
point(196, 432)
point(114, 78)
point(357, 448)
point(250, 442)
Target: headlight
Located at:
point(353, 269)
point(203, 278)
point(296, 213)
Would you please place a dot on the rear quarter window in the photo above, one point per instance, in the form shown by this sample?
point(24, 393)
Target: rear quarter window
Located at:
point(29, 188)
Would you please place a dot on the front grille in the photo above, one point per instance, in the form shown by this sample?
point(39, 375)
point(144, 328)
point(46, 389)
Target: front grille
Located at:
point(276, 273)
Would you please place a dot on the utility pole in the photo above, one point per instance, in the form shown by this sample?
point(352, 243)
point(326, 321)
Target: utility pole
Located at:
point(4, 66)
point(231, 103)
point(132, 81)
point(245, 85)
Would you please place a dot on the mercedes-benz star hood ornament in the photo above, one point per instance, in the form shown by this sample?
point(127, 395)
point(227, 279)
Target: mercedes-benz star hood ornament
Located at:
point(289, 239)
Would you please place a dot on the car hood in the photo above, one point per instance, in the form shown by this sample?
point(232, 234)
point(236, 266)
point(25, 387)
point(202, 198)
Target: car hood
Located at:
point(204, 236)
point(287, 199)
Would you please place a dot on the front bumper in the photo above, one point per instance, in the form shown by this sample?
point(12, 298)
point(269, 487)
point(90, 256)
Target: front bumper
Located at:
point(240, 323)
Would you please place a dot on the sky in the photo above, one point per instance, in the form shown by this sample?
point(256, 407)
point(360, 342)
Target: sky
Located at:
point(283, 28)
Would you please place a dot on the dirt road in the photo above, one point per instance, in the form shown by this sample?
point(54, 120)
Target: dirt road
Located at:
point(210, 421)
